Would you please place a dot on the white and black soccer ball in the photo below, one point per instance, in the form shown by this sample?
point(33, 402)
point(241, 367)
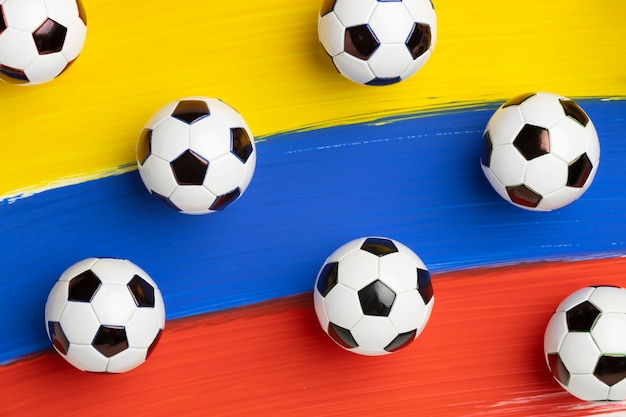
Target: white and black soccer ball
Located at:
point(198, 154)
point(540, 151)
point(378, 42)
point(39, 39)
point(373, 296)
point(105, 315)
point(585, 343)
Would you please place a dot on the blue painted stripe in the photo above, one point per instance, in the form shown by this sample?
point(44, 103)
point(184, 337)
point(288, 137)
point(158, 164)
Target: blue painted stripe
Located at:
point(417, 180)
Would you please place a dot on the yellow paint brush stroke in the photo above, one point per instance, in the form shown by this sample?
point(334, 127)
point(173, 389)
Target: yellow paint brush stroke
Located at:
point(263, 58)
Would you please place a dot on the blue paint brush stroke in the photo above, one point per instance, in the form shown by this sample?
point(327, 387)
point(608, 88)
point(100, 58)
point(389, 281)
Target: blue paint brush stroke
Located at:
point(416, 179)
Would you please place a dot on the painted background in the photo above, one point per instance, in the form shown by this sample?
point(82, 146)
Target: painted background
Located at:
point(336, 161)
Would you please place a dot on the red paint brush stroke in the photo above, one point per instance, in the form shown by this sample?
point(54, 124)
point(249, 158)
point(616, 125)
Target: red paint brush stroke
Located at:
point(480, 355)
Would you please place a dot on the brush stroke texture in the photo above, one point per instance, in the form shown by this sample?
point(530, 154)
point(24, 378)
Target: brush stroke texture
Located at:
point(264, 59)
point(415, 179)
point(481, 354)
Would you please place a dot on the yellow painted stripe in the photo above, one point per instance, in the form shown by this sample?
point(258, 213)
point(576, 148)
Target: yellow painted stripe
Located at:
point(263, 58)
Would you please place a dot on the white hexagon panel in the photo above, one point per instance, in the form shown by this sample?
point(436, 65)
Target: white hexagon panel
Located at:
point(376, 42)
point(585, 344)
point(105, 315)
point(540, 151)
point(39, 39)
point(373, 296)
point(197, 154)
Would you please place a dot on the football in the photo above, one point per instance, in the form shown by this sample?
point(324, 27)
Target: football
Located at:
point(104, 315)
point(373, 296)
point(378, 42)
point(540, 151)
point(585, 343)
point(39, 39)
point(197, 154)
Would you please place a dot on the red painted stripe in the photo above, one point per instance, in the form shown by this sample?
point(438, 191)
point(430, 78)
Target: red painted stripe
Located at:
point(481, 354)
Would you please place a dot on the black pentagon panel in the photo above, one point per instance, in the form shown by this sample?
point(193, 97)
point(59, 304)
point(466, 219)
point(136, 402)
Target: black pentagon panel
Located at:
point(327, 278)
point(425, 285)
point(419, 40)
point(558, 369)
point(327, 7)
point(190, 111)
point(379, 246)
point(3, 21)
point(573, 110)
point(142, 291)
point(81, 11)
point(578, 171)
point(224, 201)
point(49, 37)
point(13, 75)
point(485, 157)
point(154, 343)
point(532, 142)
point(167, 200)
point(189, 168)
point(241, 143)
point(582, 317)
point(524, 196)
point(84, 286)
point(144, 146)
point(376, 299)
point(110, 340)
point(517, 100)
point(611, 369)
point(401, 340)
point(342, 336)
point(360, 42)
point(57, 337)
point(380, 82)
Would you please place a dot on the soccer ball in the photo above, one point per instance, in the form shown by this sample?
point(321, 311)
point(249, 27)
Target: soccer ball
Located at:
point(197, 154)
point(378, 42)
point(585, 344)
point(373, 296)
point(104, 315)
point(540, 151)
point(39, 39)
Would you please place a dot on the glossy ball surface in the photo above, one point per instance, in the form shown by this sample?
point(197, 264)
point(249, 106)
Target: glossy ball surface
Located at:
point(373, 296)
point(376, 42)
point(540, 151)
point(197, 154)
point(104, 315)
point(585, 344)
point(39, 39)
